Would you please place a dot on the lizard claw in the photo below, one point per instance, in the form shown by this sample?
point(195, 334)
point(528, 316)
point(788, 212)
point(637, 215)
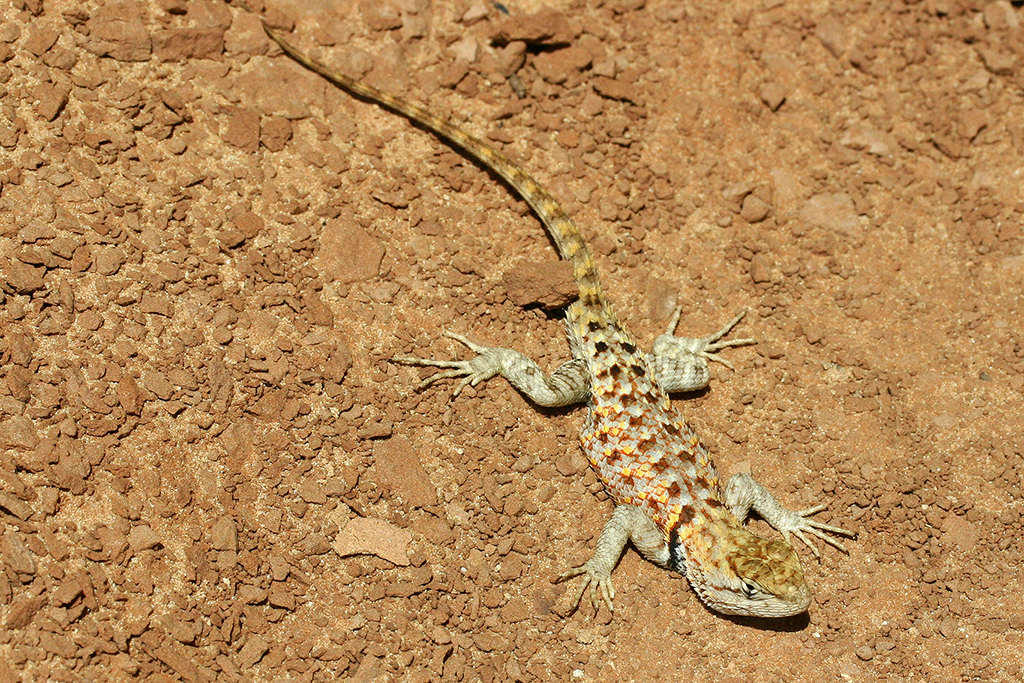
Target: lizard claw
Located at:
point(600, 584)
point(714, 343)
point(486, 364)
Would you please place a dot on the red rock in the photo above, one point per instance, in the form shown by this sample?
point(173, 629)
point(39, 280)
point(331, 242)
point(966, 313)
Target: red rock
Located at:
point(549, 284)
point(616, 90)
point(544, 28)
point(129, 396)
point(243, 130)
point(158, 384)
point(515, 610)
point(312, 492)
point(109, 261)
point(1000, 16)
point(773, 95)
point(832, 212)
point(161, 305)
point(316, 311)
point(16, 554)
point(21, 611)
point(833, 35)
point(62, 646)
point(397, 470)
point(364, 535)
point(558, 66)
point(52, 99)
point(16, 507)
point(271, 404)
point(435, 530)
point(181, 44)
point(754, 209)
point(18, 431)
point(251, 595)
point(252, 652)
point(40, 40)
point(64, 247)
point(380, 16)
point(21, 346)
point(143, 538)
point(69, 474)
point(348, 253)
point(67, 593)
point(275, 133)
point(117, 30)
point(174, 656)
point(19, 380)
point(224, 535)
point(999, 62)
point(281, 597)
point(21, 277)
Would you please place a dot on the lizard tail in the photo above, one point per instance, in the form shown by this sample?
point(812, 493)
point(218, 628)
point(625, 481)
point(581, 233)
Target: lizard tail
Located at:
point(570, 243)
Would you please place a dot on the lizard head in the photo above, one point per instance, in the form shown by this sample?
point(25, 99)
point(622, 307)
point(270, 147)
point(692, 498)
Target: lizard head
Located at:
point(743, 574)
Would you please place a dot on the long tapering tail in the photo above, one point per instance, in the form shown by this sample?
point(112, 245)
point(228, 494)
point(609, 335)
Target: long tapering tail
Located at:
point(570, 243)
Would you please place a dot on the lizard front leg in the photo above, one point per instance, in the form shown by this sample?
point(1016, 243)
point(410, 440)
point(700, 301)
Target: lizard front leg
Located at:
point(743, 494)
point(567, 385)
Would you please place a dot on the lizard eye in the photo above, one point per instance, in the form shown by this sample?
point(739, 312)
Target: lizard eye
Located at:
point(750, 591)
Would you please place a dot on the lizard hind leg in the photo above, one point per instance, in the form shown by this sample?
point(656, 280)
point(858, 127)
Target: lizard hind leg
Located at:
point(567, 385)
point(681, 363)
point(484, 366)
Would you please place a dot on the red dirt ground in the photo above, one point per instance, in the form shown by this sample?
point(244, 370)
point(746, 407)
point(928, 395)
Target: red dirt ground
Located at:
point(211, 471)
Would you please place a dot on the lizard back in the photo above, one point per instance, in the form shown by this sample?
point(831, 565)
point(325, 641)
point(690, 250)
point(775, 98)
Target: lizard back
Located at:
point(643, 450)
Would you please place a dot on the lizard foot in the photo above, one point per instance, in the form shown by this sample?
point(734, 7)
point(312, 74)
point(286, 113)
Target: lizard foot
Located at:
point(600, 583)
point(708, 347)
point(796, 522)
point(743, 493)
point(487, 363)
point(681, 363)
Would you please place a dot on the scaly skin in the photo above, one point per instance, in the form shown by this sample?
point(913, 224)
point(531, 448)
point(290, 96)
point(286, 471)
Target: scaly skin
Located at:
point(669, 501)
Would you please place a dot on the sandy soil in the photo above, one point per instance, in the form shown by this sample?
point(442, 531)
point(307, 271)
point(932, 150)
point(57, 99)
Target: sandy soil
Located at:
point(210, 470)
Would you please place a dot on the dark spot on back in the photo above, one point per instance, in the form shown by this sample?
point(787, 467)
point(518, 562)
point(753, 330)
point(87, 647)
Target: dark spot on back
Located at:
point(646, 445)
point(660, 466)
point(600, 347)
point(615, 371)
point(687, 514)
point(714, 503)
point(638, 370)
point(593, 326)
point(628, 348)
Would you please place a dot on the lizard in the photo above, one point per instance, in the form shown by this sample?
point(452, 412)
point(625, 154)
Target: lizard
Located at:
point(669, 501)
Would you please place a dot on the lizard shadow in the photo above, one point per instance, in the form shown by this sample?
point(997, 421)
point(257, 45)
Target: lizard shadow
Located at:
point(793, 624)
